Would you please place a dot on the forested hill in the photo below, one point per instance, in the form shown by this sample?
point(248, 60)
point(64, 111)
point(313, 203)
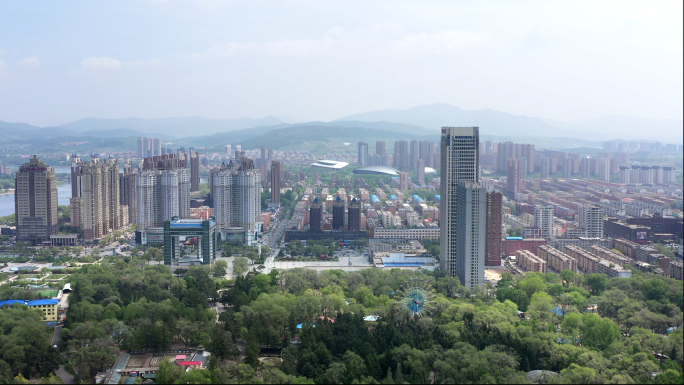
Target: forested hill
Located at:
point(460, 337)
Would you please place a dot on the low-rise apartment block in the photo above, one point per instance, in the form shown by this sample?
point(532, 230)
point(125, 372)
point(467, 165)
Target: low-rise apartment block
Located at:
point(675, 270)
point(586, 262)
point(626, 247)
point(612, 270)
point(427, 233)
point(556, 259)
point(609, 255)
point(529, 261)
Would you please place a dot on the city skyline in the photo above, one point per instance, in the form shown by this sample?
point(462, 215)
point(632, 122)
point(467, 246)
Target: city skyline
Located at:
point(384, 192)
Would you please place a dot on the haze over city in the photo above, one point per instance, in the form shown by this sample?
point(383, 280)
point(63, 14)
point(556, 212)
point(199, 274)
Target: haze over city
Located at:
point(308, 60)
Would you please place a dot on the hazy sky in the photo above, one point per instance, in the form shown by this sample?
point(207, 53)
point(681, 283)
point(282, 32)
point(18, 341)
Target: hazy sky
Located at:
point(321, 60)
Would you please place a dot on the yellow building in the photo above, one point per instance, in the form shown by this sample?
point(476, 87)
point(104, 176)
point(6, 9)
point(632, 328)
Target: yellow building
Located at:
point(49, 307)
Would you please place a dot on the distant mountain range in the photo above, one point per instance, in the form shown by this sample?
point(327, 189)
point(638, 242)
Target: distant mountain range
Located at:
point(422, 121)
point(178, 127)
point(289, 135)
point(496, 123)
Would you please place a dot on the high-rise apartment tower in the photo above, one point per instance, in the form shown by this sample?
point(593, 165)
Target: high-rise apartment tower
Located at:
point(35, 202)
point(459, 162)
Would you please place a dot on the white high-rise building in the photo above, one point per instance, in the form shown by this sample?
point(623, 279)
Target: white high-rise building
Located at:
point(545, 167)
point(147, 193)
point(175, 194)
point(590, 218)
point(657, 174)
point(634, 174)
point(604, 169)
point(567, 167)
point(229, 151)
point(543, 220)
point(646, 175)
point(471, 202)
point(585, 167)
point(625, 173)
point(238, 149)
point(668, 175)
point(362, 158)
point(162, 195)
point(156, 147)
point(236, 195)
point(459, 162)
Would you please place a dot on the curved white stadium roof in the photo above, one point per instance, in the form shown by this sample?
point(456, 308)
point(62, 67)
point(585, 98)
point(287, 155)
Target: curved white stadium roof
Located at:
point(379, 170)
point(332, 164)
point(430, 170)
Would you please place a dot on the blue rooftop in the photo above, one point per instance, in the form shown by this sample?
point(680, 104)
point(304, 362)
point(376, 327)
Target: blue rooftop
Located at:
point(393, 197)
point(514, 238)
point(37, 302)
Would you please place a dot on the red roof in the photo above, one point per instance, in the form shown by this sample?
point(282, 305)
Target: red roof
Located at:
point(190, 363)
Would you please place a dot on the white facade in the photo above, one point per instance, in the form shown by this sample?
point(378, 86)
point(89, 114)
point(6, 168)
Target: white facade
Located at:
point(545, 167)
point(470, 234)
point(604, 169)
point(625, 174)
point(236, 194)
point(567, 167)
point(543, 220)
point(161, 195)
point(585, 167)
point(590, 218)
point(459, 162)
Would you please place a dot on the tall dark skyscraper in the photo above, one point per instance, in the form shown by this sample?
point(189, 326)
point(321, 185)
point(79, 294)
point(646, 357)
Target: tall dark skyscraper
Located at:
point(276, 168)
point(354, 216)
point(545, 167)
point(401, 155)
point(194, 171)
point(338, 214)
point(264, 154)
point(421, 172)
point(141, 148)
point(127, 191)
point(315, 215)
point(493, 239)
point(415, 154)
point(363, 154)
point(513, 177)
point(380, 148)
point(459, 162)
point(35, 202)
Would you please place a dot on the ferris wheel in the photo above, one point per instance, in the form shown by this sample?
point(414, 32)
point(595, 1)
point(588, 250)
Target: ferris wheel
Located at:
point(416, 297)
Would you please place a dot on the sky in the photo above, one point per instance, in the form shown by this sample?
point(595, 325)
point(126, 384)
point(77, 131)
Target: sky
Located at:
point(322, 60)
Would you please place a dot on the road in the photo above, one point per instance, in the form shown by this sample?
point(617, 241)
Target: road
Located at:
point(57, 340)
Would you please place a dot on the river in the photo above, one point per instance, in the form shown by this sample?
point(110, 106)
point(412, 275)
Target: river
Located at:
point(63, 194)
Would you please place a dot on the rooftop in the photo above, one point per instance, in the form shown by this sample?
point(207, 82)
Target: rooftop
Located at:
point(37, 302)
point(376, 170)
point(332, 164)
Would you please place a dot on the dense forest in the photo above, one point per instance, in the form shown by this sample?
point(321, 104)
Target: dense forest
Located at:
point(317, 318)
